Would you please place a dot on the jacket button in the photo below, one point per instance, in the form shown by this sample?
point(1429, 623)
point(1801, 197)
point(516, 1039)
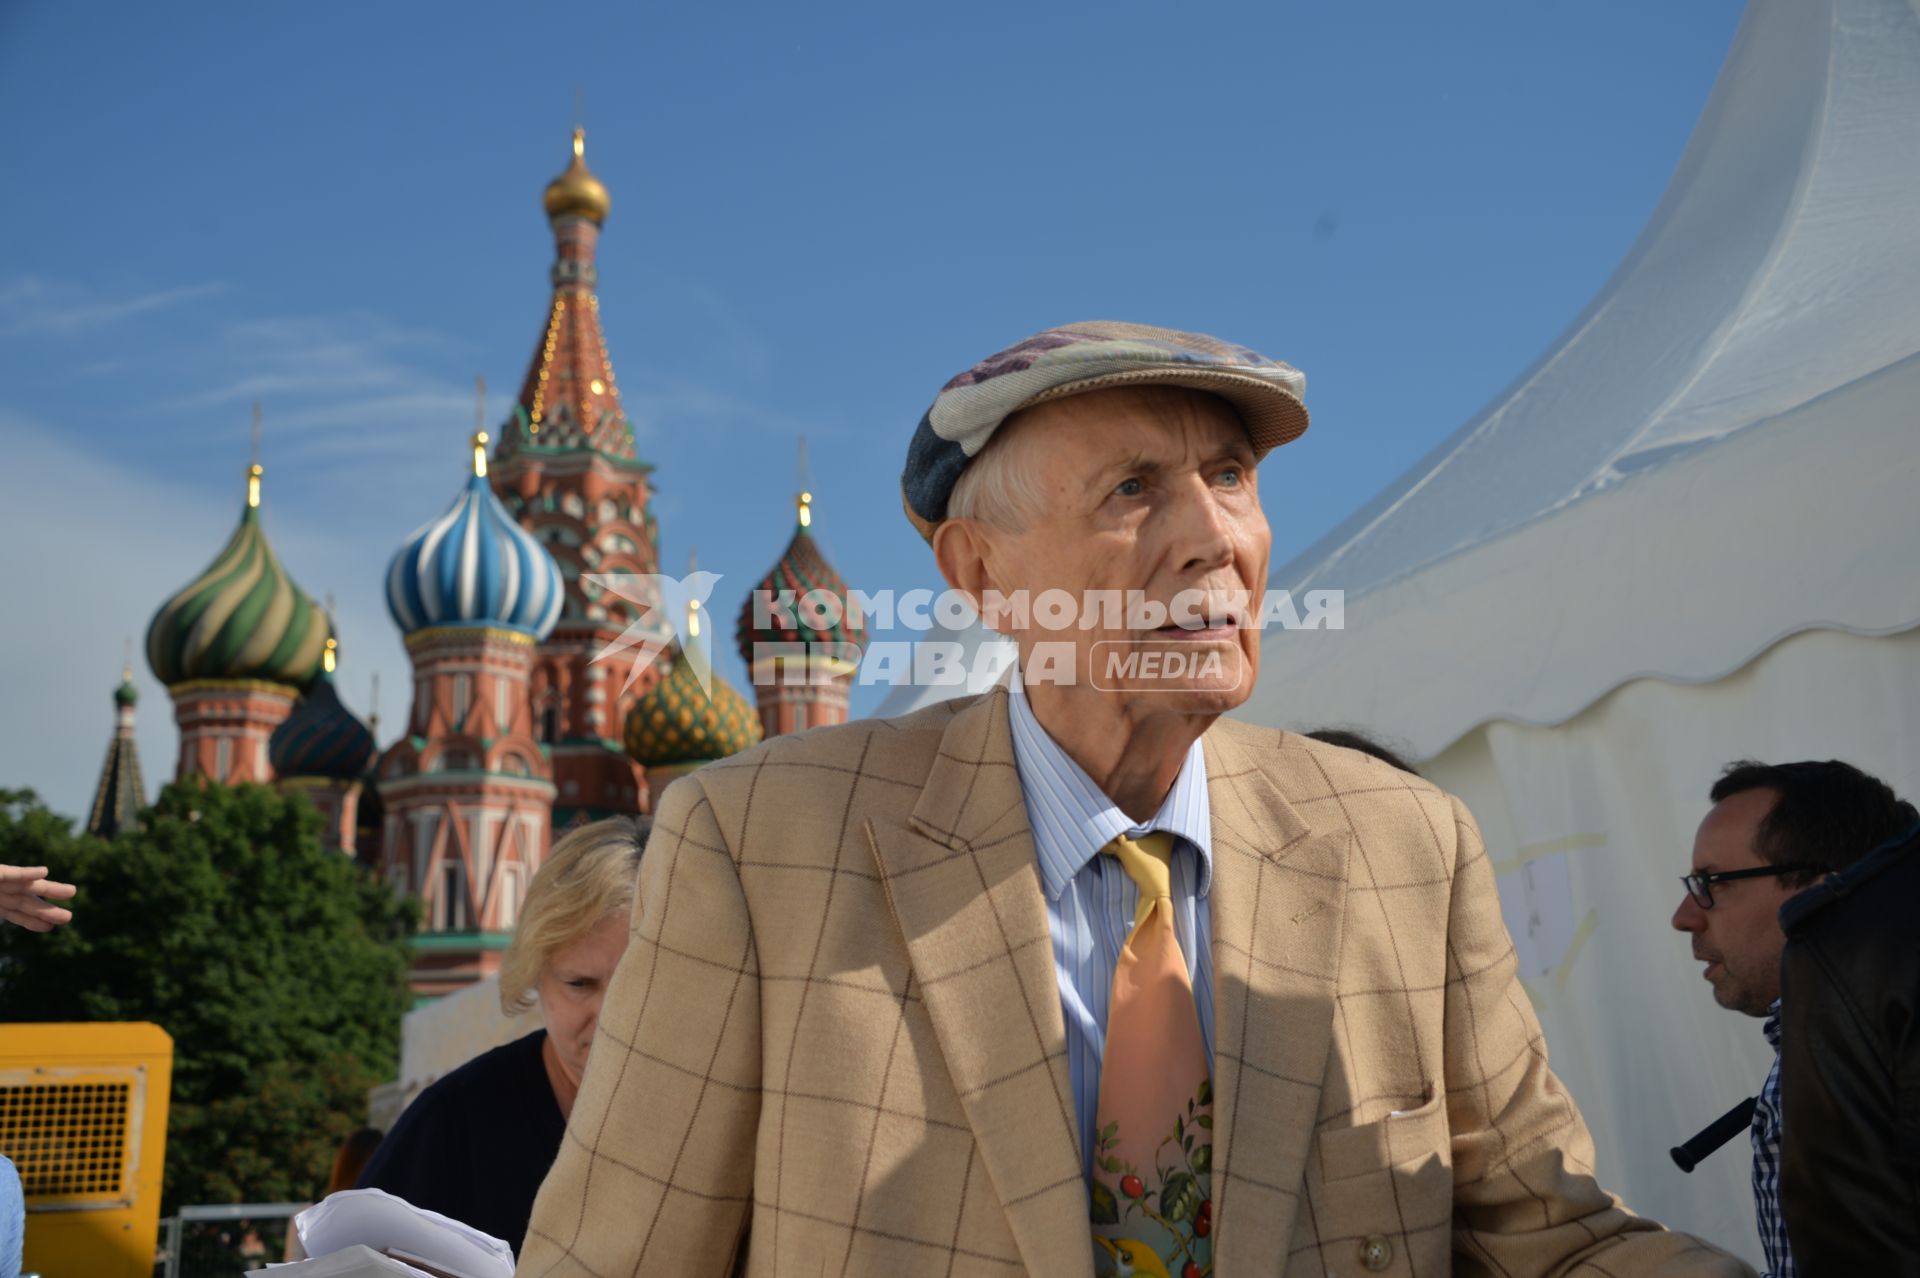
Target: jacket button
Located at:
point(1376, 1253)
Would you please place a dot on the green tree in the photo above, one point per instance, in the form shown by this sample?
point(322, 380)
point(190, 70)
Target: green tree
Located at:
point(277, 965)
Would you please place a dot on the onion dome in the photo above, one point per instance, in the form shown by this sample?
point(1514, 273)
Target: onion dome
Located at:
point(577, 192)
point(126, 694)
point(678, 722)
point(802, 600)
point(243, 618)
point(475, 566)
point(321, 738)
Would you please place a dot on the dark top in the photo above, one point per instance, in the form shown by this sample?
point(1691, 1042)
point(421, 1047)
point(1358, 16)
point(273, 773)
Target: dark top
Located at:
point(476, 1145)
point(1850, 1069)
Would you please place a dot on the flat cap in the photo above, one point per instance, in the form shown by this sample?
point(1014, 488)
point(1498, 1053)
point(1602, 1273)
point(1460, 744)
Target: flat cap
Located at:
point(1074, 359)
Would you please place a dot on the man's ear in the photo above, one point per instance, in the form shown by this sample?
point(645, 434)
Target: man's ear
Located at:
point(963, 549)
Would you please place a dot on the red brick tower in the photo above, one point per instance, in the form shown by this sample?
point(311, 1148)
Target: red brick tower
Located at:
point(567, 469)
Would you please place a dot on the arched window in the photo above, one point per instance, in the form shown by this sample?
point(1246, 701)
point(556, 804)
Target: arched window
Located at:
point(509, 899)
point(452, 911)
point(450, 761)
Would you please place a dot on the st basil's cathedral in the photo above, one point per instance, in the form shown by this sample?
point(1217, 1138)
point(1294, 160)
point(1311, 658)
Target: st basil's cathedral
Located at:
point(514, 731)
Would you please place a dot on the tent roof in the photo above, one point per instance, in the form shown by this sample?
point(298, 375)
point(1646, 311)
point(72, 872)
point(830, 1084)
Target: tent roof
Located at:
point(1770, 304)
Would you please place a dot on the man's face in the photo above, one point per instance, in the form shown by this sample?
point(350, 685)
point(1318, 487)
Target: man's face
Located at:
point(1739, 938)
point(1148, 493)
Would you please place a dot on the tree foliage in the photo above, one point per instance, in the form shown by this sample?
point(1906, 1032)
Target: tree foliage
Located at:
point(277, 965)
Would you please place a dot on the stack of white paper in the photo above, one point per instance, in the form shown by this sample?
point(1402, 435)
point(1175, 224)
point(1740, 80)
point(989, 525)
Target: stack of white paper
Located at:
point(368, 1233)
point(350, 1262)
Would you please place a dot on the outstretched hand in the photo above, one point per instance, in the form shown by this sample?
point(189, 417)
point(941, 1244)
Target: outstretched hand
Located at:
point(25, 891)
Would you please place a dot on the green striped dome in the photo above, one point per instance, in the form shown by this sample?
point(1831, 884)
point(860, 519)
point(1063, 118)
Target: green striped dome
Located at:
point(243, 618)
point(678, 722)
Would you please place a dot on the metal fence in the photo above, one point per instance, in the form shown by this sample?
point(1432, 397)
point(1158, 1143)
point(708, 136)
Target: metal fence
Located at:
point(174, 1228)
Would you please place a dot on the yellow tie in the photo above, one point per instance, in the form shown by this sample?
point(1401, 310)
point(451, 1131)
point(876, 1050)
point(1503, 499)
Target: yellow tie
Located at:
point(1152, 1189)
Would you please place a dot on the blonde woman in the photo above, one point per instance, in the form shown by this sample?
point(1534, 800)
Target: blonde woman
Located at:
point(477, 1143)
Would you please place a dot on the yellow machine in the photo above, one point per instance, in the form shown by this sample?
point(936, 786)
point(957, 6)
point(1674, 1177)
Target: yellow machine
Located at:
point(83, 1116)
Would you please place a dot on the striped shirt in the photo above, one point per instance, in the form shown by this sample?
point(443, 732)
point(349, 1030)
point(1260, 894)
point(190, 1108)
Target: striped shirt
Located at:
point(1766, 1161)
point(13, 1220)
point(1090, 899)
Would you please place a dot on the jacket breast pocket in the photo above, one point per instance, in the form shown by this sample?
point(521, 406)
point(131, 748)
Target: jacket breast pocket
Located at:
point(1399, 1138)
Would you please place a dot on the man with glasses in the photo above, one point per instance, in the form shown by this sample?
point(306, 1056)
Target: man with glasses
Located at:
point(1773, 829)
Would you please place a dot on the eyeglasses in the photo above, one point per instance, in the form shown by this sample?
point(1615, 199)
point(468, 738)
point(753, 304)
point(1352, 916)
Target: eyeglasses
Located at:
point(1700, 886)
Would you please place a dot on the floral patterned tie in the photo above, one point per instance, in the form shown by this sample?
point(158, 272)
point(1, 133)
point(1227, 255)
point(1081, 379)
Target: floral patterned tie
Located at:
point(1152, 1195)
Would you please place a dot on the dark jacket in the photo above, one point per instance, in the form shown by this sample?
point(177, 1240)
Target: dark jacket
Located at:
point(1850, 1069)
point(476, 1145)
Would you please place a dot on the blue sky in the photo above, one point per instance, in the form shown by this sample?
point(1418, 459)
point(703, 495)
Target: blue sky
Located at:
point(820, 213)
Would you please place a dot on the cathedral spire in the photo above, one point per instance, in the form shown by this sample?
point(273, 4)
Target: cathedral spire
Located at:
point(804, 503)
point(254, 468)
point(121, 794)
point(569, 401)
point(564, 465)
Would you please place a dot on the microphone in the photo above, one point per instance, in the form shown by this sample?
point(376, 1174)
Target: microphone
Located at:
point(1723, 1129)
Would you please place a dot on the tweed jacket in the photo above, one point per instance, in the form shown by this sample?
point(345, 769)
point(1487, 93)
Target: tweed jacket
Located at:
point(834, 1044)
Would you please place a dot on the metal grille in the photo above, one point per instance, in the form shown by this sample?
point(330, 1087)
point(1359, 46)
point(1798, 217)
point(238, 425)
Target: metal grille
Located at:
point(68, 1139)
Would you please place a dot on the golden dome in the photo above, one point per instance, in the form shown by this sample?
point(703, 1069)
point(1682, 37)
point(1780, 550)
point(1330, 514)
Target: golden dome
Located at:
point(680, 722)
point(578, 191)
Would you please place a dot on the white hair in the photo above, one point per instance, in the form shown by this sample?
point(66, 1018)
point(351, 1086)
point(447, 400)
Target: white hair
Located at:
point(999, 486)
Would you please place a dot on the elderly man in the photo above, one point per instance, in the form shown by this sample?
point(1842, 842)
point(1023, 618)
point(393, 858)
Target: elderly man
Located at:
point(1076, 976)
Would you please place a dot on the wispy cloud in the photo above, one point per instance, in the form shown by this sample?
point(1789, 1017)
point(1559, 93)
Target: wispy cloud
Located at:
point(343, 392)
point(661, 403)
point(309, 355)
point(32, 307)
point(411, 423)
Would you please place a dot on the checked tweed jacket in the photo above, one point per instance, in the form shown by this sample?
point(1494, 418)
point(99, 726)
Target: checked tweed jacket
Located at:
point(834, 1045)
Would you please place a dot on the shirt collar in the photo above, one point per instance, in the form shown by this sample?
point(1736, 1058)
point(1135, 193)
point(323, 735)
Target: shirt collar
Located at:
point(1772, 1028)
point(1072, 818)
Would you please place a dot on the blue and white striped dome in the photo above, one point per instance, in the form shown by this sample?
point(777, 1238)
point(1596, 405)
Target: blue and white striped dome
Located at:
point(475, 566)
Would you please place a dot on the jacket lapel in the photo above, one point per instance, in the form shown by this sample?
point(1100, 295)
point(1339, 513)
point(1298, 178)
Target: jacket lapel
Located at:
point(961, 878)
point(1276, 906)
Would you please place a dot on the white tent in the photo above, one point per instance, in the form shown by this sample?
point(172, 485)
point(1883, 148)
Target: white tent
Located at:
point(1689, 533)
